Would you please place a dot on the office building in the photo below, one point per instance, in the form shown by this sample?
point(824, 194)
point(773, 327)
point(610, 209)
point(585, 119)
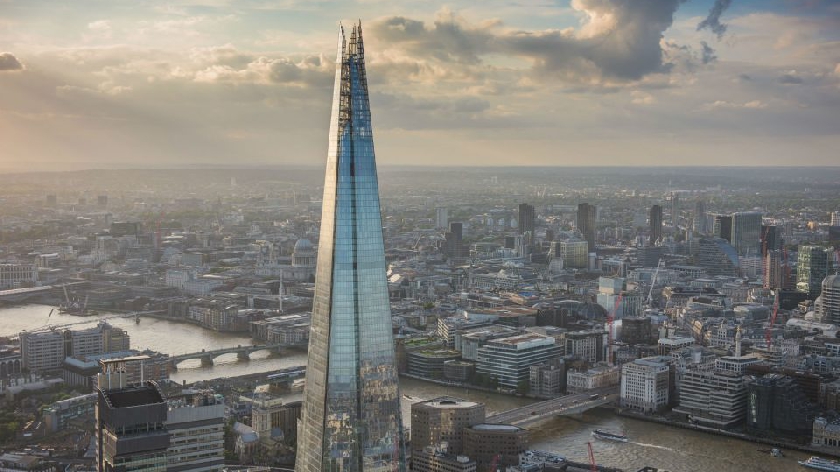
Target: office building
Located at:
point(42, 350)
point(586, 345)
point(454, 244)
point(63, 413)
point(715, 397)
point(443, 419)
point(195, 421)
point(18, 275)
point(351, 410)
point(586, 223)
point(645, 384)
point(771, 238)
point(574, 253)
point(509, 360)
point(655, 222)
point(835, 218)
point(746, 233)
point(777, 406)
point(441, 218)
point(700, 217)
point(722, 227)
point(776, 271)
point(674, 200)
point(131, 433)
point(499, 443)
point(437, 459)
point(603, 375)
point(815, 264)
point(548, 379)
point(635, 330)
point(526, 218)
point(47, 349)
point(718, 257)
point(828, 304)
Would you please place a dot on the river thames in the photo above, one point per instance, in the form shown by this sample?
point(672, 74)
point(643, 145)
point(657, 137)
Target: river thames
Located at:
point(668, 448)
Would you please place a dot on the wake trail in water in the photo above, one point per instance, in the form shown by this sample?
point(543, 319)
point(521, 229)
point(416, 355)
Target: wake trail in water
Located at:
point(655, 446)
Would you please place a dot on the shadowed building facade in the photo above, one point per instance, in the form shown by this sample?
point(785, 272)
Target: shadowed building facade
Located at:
point(351, 413)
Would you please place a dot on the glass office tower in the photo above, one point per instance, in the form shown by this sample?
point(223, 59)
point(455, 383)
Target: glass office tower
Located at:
point(351, 412)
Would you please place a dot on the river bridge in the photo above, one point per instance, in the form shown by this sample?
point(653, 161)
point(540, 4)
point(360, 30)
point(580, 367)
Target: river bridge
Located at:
point(568, 405)
point(243, 353)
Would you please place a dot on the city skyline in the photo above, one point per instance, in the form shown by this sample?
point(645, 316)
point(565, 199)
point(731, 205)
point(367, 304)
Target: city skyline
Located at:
point(213, 83)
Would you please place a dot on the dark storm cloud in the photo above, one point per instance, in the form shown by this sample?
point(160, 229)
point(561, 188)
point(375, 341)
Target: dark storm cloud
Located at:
point(9, 62)
point(712, 21)
point(628, 48)
point(707, 54)
point(788, 79)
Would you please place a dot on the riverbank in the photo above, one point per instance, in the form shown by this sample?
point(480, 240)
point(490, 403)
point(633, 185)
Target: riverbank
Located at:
point(468, 386)
point(781, 444)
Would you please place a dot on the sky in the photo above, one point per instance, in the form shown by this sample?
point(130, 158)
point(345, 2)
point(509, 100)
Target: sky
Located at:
point(184, 83)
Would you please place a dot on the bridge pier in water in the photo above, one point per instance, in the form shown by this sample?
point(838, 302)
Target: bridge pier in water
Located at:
point(207, 361)
point(243, 356)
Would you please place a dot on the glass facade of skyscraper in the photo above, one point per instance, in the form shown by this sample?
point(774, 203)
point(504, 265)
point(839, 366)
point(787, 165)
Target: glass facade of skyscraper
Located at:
point(351, 414)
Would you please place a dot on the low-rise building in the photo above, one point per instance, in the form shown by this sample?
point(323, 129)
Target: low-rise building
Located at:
point(596, 377)
point(62, 413)
point(498, 444)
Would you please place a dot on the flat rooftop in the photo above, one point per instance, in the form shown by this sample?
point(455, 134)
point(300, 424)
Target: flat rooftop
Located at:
point(449, 402)
point(134, 396)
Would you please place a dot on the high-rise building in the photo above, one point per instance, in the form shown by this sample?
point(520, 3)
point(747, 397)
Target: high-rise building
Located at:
point(443, 420)
point(674, 200)
point(775, 273)
point(351, 413)
point(771, 238)
point(131, 433)
point(723, 227)
point(814, 265)
point(778, 406)
point(196, 422)
point(835, 218)
point(746, 233)
point(828, 308)
point(526, 218)
point(441, 218)
point(700, 217)
point(454, 240)
point(655, 224)
point(575, 253)
point(718, 257)
point(586, 223)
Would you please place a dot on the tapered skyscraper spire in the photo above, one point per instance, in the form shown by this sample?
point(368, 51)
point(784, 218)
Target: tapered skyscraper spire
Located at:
point(351, 413)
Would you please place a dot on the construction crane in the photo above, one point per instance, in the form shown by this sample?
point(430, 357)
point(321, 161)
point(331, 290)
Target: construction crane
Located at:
point(610, 321)
point(592, 466)
point(653, 283)
point(768, 334)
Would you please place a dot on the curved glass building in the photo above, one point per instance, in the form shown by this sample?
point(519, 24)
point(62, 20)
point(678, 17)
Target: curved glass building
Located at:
point(351, 412)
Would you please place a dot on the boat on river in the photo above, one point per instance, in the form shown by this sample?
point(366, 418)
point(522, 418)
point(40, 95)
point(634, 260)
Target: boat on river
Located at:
point(818, 463)
point(609, 435)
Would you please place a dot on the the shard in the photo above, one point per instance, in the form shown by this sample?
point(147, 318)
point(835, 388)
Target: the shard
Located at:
point(351, 414)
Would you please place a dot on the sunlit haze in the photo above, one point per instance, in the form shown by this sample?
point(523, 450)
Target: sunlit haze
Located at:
point(211, 83)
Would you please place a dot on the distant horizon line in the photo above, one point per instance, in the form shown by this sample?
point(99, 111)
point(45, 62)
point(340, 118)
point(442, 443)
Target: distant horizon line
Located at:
point(409, 166)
